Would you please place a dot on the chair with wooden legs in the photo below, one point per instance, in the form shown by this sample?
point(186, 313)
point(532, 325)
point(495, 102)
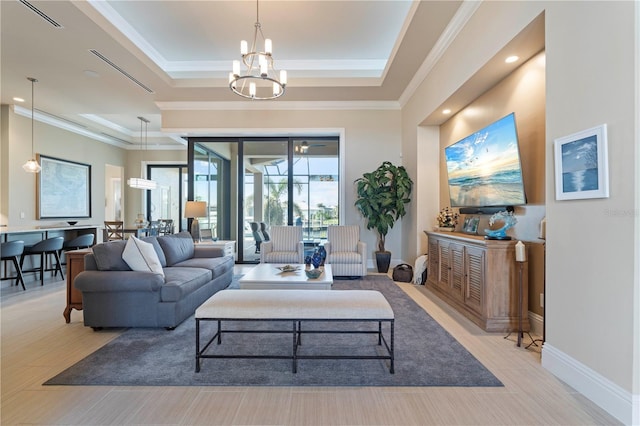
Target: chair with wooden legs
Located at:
point(113, 230)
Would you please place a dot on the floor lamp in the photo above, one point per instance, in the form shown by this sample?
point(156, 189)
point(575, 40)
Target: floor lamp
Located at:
point(194, 210)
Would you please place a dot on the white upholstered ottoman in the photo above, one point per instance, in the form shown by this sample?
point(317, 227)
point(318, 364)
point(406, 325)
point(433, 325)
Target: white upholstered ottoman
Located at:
point(296, 306)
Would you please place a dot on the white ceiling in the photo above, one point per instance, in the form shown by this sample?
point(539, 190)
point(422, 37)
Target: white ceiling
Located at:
point(333, 50)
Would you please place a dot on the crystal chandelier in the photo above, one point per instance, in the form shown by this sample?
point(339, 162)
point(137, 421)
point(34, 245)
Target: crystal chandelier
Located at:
point(141, 182)
point(32, 165)
point(260, 79)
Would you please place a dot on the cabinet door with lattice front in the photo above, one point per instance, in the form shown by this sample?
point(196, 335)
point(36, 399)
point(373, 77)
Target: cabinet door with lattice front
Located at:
point(457, 273)
point(474, 280)
point(444, 265)
point(432, 268)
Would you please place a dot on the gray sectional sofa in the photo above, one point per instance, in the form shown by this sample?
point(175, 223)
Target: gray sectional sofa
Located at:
point(114, 295)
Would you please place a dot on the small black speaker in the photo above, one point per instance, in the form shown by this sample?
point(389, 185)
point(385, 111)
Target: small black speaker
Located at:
point(485, 210)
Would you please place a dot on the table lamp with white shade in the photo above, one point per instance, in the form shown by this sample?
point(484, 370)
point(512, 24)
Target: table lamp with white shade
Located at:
point(194, 210)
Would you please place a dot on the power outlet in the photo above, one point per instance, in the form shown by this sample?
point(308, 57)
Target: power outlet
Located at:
point(542, 300)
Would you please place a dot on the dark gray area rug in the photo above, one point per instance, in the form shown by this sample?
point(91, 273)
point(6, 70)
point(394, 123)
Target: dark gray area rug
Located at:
point(425, 355)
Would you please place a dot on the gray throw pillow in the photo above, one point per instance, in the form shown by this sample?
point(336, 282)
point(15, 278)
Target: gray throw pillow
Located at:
point(177, 247)
point(157, 248)
point(108, 256)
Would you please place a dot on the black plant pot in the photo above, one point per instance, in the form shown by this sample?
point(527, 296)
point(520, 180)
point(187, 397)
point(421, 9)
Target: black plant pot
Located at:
point(383, 259)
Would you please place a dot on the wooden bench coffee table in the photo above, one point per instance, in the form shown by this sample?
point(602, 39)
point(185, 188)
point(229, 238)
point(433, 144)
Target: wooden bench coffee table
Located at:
point(268, 276)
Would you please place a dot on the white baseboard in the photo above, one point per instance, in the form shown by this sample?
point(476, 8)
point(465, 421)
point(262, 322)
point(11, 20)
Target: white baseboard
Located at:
point(618, 402)
point(536, 322)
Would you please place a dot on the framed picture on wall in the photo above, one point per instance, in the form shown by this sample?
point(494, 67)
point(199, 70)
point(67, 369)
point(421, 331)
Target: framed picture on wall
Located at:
point(63, 189)
point(582, 165)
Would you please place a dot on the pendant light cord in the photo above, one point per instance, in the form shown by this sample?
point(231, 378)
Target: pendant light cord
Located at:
point(33, 82)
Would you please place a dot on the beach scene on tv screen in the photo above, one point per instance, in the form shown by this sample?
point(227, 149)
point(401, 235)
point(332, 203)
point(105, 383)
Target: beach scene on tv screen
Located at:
point(484, 168)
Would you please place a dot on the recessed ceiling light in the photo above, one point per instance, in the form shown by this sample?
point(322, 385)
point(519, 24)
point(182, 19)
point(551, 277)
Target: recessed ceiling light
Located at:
point(91, 73)
point(18, 99)
point(511, 59)
point(446, 111)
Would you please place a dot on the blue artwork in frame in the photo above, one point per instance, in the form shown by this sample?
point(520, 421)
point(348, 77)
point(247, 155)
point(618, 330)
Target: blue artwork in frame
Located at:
point(581, 165)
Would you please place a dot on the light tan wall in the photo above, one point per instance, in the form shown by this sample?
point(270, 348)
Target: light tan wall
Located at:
point(135, 166)
point(591, 251)
point(522, 92)
point(590, 243)
point(371, 137)
point(4, 164)
point(20, 186)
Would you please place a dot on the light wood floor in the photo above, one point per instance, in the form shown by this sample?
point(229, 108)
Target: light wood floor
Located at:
point(37, 344)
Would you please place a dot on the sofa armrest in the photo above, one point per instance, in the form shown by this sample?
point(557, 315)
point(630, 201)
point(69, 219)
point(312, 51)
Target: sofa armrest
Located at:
point(207, 251)
point(301, 252)
point(327, 247)
point(265, 247)
point(101, 281)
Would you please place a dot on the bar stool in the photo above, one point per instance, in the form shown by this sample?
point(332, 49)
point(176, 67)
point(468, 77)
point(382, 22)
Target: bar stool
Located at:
point(44, 248)
point(79, 242)
point(10, 251)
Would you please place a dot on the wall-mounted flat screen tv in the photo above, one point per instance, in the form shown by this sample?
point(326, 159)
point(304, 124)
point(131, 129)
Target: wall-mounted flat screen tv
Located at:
point(484, 168)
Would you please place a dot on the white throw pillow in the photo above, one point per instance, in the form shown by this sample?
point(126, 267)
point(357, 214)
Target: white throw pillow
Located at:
point(141, 256)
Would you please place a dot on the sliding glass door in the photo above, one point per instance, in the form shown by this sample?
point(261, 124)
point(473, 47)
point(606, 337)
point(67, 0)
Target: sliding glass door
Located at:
point(251, 184)
point(167, 200)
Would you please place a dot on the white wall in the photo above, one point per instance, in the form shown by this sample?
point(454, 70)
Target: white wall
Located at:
point(591, 244)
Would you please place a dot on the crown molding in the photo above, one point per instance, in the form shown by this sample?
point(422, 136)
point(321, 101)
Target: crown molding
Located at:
point(278, 105)
point(460, 19)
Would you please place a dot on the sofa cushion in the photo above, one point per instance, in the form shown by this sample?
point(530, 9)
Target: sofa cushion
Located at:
point(177, 247)
point(108, 256)
point(154, 242)
point(182, 281)
point(217, 265)
point(345, 257)
point(141, 256)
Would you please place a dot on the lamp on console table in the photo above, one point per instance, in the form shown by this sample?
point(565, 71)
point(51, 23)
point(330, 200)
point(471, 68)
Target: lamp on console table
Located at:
point(194, 210)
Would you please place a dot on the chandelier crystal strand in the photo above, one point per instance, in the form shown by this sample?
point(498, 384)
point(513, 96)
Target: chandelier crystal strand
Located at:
point(32, 165)
point(260, 79)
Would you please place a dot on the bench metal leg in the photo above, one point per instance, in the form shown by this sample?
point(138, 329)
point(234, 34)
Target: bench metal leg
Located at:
point(197, 345)
point(391, 368)
point(294, 357)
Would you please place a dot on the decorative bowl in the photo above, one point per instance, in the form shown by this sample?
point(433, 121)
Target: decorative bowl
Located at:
point(313, 273)
point(288, 268)
point(72, 222)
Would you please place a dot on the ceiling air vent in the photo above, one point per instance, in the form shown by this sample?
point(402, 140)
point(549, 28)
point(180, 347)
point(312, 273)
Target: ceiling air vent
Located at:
point(41, 14)
point(120, 70)
point(57, 117)
point(115, 138)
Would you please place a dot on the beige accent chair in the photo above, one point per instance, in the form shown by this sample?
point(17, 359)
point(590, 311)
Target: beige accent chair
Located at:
point(285, 246)
point(345, 252)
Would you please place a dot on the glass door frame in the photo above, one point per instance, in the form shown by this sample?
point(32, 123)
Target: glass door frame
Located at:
point(240, 140)
point(181, 167)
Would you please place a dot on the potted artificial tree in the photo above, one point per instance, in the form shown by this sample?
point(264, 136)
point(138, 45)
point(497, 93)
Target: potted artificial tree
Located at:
point(382, 195)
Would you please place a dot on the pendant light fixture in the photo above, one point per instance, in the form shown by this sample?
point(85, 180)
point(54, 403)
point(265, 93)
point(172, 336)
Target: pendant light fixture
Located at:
point(32, 165)
point(259, 80)
point(141, 182)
